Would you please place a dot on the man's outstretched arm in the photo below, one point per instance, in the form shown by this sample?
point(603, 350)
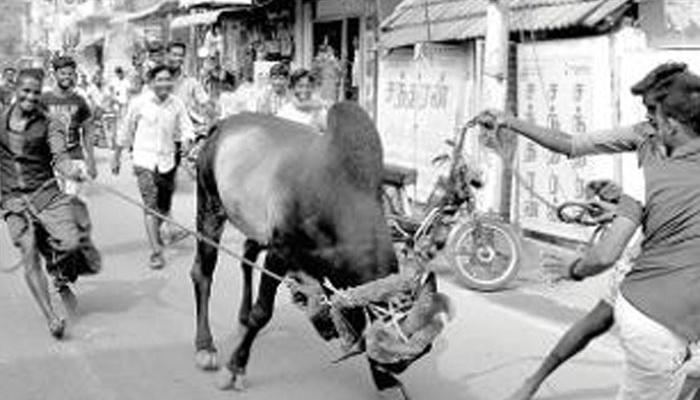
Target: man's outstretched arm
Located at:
point(618, 140)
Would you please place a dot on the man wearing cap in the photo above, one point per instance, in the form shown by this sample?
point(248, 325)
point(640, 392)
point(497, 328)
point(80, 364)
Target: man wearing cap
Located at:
point(658, 308)
point(41, 219)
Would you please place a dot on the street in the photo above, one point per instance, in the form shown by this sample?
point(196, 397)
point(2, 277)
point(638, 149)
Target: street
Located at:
point(133, 335)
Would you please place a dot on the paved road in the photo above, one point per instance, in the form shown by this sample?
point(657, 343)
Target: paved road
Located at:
point(132, 338)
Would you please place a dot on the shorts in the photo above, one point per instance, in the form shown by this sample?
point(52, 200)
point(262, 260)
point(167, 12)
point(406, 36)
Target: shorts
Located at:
point(156, 189)
point(61, 232)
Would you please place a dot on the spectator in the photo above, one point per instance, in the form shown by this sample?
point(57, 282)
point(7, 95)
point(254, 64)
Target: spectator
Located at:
point(7, 89)
point(32, 201)
point(227, 104)
point(119, 87)
point(155, 122)
point(188, 89)
point(244, 97)
point(304, 106)
point(65, 104)
point(276, 94)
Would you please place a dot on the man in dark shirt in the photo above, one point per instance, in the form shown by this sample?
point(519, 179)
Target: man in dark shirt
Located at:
point(658, 309)
point(41, 219)
point(66, 105)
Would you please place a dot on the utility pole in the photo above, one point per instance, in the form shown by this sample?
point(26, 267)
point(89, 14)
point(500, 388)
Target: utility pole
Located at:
point(494, 93)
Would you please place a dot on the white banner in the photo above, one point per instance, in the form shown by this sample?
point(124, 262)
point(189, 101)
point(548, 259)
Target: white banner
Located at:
point(420, 104)
point(563, 84)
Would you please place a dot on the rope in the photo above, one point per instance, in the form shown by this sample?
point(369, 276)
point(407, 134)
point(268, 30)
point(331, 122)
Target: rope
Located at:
point(190, 231)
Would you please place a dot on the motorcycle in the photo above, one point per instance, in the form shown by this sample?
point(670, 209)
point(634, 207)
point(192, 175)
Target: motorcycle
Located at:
point(484, 250)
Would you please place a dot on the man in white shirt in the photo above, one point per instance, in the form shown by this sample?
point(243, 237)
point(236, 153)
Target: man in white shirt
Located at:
point(155, 121)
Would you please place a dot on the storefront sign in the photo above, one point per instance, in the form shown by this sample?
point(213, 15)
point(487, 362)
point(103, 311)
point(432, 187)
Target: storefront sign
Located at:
point(563, 85)
point(420, 104)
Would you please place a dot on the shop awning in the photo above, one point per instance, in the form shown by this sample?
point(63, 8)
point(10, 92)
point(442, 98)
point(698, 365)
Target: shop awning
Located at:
point(160, 7)
point(415, 21)
point(202, 18)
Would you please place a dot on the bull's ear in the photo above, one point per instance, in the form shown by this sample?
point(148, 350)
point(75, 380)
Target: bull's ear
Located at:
point(450, 142)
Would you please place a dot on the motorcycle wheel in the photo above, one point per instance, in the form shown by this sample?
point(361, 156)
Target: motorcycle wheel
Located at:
point(488, 264)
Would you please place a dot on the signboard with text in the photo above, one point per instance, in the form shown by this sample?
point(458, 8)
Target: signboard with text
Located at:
point(563, 84)
point(421, 101)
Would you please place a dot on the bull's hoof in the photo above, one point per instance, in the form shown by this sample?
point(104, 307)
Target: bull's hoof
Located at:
point(206, 360)
point(230, 380)
point(394, 393)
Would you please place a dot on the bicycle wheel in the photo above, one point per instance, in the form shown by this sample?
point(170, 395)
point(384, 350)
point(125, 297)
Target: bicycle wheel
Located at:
point(485, 253)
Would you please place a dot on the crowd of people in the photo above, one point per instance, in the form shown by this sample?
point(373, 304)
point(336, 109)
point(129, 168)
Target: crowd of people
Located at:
point(48, 135)
point(53, 120)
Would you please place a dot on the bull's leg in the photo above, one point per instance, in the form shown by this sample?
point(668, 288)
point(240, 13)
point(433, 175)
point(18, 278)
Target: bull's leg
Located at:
point(261, 313)
point(210, 223)
point(251, 251)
